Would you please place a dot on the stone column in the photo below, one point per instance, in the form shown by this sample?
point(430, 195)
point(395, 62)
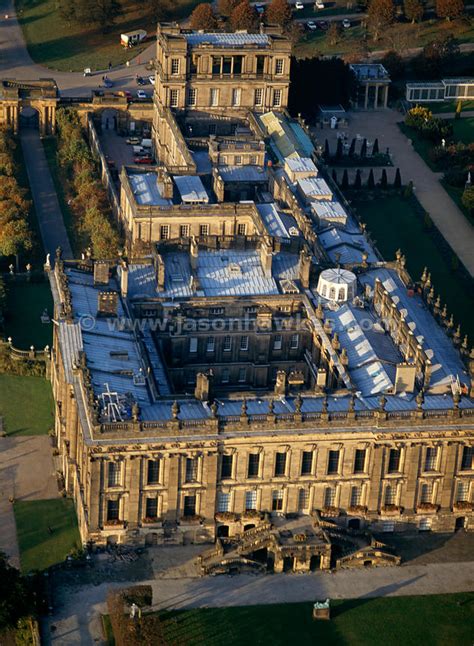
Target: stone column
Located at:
point(376, 99)
point(385, 97)
point(208, 498)
point(411, 470)
point(448, 467)
point(366, 102)
point(172, 488)
point(376, 472)
point(94, 496)
point(133, 484)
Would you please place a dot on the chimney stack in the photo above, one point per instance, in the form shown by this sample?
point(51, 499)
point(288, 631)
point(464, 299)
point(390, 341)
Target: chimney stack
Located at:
point(266, 256)
point(107, 304)
point(193, 253)
point(101, 272)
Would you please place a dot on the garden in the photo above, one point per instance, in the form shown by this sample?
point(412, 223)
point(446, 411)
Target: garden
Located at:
point(447, 146)
point(26, 405)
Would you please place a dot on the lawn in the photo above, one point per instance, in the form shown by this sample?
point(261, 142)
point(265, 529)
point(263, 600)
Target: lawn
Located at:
point(26, 301)
point(71, 46)
point(401, 36)
point(448, 106)
point(26, 405)
point(463, 129)
point(390, 621)
point(394, 223)
point(47, 532)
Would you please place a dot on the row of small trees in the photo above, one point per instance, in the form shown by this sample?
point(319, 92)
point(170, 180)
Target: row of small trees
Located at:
point(15, 232)
point(382, 13)
point(357, 183)
point(89, 202)
point(240, 14)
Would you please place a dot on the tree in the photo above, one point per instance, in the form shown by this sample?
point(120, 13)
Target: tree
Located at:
point(375, 147)
point(244, 16)
point(413, 10)
point(203, 17)
point(226, 7)
point(339, 149)
point(371, 180)
point(98, 12)
point(352, 147)
point(383, 179)
point(15, 237)
point(449, 8)
point(279, 12)
point(159, 9)
point(380, 15)
point(363, 149)
point(327, 152)
point(468, 197)
point(438, 57)
point(67, 9)
point(333, 34)
point(358, 180)
point(334, 176)
point(393, 63)
point(16, 600)
point(397, 182)
point(345, 180)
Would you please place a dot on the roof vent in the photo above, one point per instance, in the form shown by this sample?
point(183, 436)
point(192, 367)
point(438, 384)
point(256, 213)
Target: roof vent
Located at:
point(293, 231)
point(234, 268)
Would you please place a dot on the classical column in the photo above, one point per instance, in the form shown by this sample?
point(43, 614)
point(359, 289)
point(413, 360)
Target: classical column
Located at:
point(385, 98)
point(208, 499)
point(375, 478)
point(366, 102)
point(376, 99)
point(172, 487)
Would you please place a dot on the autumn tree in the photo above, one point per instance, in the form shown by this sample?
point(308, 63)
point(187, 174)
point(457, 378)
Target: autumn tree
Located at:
point(244, 16)
point(333, 34)
point(98, 12)
point(279, 12)
point(449, 8)
point(203, 17)
point(380, 15)
point(226, 7)
point(413, 10)
point(160, 9)
point(393, 63)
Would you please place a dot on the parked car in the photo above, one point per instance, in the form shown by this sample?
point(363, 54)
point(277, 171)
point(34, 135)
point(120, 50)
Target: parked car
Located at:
point(151, 78)
point(141, 80)
point(141, 94)
point(299, 5)
point(346, 23)
point(143, 159)
point(311, 25)
point(133, 141)
point(108, 82)
point(260, 8)
point(319, 5)
point(322, 24)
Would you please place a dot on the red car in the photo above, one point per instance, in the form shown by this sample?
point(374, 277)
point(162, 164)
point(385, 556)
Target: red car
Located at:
point(143, 160)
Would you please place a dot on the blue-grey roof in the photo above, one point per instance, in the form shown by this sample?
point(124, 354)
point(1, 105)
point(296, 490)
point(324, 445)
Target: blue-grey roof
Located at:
point(220, 39)
point(329, 210)
point(243, 173)
point(315, 188)
point(446, 362)
point(277, 223)
point(191, 189)
point(346, 247)
point(146, 189)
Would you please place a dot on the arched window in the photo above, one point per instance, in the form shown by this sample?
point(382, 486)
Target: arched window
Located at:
point(325, 290)
point(332, 293)
point(341, 296)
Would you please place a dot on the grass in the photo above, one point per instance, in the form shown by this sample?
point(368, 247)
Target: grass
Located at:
point(401, 36)
point(449, 106)
point(25, 303)
point(385, 621)
point(26, 405)
point(47, 532)
point(395, 223)
point(68, 47)
point(463, 129)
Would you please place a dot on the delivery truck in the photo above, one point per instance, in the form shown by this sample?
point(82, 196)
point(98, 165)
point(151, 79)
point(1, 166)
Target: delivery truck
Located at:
point(132, 38)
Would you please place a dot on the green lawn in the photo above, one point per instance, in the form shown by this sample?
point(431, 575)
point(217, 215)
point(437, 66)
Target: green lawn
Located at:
point(26, 405)
point(25, 304)
point(463, 129)
point(444, 620)
point(72, 46)
point(394, 223)
point(47, 532)
point(448, 106)
point(404, 35)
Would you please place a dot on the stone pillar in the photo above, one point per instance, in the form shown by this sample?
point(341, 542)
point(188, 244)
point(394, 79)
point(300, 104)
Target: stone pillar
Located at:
point(366, 102)
point(172, 488)
point(376, 99)
point(133, 485)
point(93, 496)
point(375, 478)
point(411, 470)
point(385, 97)
point(448, 467)
point(208, 497)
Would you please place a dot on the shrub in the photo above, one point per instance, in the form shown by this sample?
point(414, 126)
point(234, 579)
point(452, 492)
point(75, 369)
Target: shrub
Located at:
point(455, 177)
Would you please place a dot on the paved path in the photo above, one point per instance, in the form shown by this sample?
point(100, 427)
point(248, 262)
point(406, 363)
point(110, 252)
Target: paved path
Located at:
point(26, 473)
point(449, 219)
point(48, 211)
point(76, 619)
